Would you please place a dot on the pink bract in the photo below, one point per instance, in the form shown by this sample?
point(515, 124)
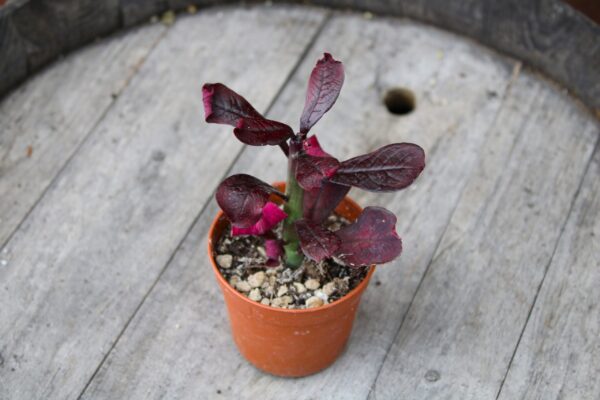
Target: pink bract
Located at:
point(271, 216)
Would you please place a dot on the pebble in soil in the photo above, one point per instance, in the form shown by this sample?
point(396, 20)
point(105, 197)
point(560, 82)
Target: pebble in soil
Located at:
point(241, 261)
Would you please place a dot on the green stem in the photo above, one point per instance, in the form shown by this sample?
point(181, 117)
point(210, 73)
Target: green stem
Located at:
point(293, 208)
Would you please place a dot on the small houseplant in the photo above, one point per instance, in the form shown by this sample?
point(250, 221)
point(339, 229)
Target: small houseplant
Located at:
point(272, 262)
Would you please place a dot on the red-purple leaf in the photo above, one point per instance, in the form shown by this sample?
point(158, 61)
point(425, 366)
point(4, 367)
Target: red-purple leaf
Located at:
point(261, 132)
point(312, 147)
point(271, 216)
point(392, 167)
point(320, 203)
point(224, 106)
point(242, 198)
point(372, 239)
point(324, 87)
point(311, 171)
point(317, 242)
point(274, 251)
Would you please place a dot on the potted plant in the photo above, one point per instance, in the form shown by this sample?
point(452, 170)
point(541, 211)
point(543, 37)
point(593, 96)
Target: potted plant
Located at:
point(293, 260)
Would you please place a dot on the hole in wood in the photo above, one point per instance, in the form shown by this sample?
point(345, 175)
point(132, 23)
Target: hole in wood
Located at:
point(399, 101)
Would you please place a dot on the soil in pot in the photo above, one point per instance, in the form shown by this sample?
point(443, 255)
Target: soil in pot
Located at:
point(241, 260)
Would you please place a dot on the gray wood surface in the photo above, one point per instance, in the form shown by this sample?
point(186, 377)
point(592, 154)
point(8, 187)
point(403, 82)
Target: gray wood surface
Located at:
point(47, 119)
point(547, 34)
point(559, 354)
point(465, 321)
point(451, 129)
point(84, 259)
point(106, 288)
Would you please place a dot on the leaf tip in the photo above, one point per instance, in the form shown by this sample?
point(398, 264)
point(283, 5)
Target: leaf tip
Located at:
point(328, 58)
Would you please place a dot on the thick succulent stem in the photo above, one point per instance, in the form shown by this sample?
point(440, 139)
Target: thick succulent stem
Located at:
point(293, 208)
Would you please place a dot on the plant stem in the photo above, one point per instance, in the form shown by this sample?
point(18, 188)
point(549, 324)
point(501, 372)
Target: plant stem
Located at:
point(284, 147)
point(293, 208)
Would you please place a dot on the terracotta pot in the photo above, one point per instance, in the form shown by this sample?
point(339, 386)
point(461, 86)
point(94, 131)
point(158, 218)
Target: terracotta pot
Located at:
point(283, 342)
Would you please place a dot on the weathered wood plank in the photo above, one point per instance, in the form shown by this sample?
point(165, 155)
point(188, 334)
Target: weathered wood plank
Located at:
point(466, 319)
point(84, 259)
point(547, 34)
point(559, 354)
point(45, 121)
point(180, 4)
point(7, 7)
point(136, 11)
point(179, 346)
point(50, 28)
point(13, 58)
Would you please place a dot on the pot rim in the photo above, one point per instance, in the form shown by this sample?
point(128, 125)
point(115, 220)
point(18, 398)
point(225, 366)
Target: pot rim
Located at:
point(351, 294)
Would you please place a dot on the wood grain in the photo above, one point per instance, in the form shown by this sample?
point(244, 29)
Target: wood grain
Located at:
point(50, 28)
point(47, 119)
point(84, 259)
point(136, 11)
point(559, 354)
point(105, 286)
point(546, 34)
point(13, 58)
point(179, 346)
point(466, 319)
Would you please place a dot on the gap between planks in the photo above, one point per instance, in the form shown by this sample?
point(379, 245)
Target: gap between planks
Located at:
point(353, 53)
point(265, 23)
point(85, 136)
point(463, 223)
point(549, 264)
point(168, 263)
point(327, 17)
point(514, 76)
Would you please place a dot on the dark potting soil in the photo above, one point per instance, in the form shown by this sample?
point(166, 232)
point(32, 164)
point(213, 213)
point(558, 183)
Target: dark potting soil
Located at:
point(241, 260)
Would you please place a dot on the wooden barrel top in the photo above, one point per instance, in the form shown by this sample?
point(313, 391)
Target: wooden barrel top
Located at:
point(546, 34)
point(107, 175)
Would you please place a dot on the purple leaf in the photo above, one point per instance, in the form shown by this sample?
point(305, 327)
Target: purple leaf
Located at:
point(372, 239)
point(261, 132)
point(274, 251)
point(311, 171)
point(312, 147)
point(317, 242)
point(271, 216)
point(242, 198)
point(392, 167)
point(224, 106)
point(320, 203)
point(324, 86)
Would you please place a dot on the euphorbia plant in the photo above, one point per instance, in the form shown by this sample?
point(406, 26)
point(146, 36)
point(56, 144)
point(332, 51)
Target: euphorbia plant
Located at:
point(316, 181)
